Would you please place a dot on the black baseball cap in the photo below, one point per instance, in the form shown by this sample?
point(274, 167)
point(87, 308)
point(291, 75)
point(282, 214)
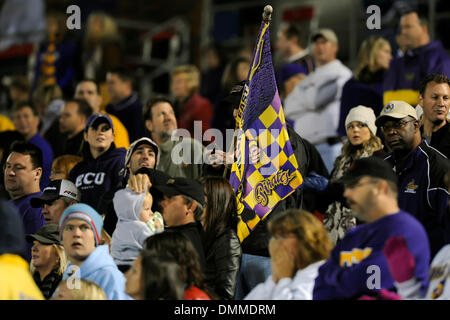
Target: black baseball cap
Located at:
point(48, 234)
point(235, 94)
point(55, 190)
point(373, 167)
point(183, 186)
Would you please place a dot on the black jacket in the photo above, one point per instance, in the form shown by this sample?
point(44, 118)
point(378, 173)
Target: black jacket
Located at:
point(193, 231)
point(223, 260)
point(440, 140)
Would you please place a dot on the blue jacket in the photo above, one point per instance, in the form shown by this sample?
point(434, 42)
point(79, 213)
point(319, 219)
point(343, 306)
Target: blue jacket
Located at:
point(408, 71)
point(32, 218)
point(423, 193)
point(47, 158)
point(100, 268)
point(95, 177)
point(129, 111)
point(358, 260)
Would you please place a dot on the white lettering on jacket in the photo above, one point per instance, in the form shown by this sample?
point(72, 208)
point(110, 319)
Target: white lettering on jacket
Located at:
point(89, 178)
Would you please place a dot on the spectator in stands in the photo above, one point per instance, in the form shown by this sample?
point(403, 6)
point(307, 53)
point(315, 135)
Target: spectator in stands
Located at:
point(58, 57)
point(49, 103)
point(154, 278)
point(235, 71)
point(102, 46)
point(173, 245)
point(48, 261)
point(295, 57)
point(72, 122)
point(26, 121)
point(298, 247)
point(212, 75)
point(371, 191)
point(222, 246)
point(55, 198)
point(183, 205)
point(140, 160)
point(62, 165)
point(15, 277)
point(23, 171)
point(314, 103)
point(434, 100)
point(89, 90)
point(80, 228)
point(422, 57)
point(124, 103)
point(99, 171)
point(420, 170)
point(190, 106)
point(402, 264)
point(362, 142)
point(366, 87)
point(19, 89)
point(136, 222)
point(84, 290)
point(160, 120)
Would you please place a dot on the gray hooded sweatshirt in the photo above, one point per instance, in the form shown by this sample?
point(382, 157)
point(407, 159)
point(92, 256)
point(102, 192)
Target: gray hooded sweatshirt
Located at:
point(130, 233)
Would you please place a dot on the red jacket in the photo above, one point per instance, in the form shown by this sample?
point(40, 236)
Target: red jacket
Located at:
point(195, 108)
point(194, 293)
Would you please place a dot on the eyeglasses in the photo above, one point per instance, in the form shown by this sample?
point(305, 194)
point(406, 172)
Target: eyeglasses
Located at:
point(396, 125)
point(359, 126)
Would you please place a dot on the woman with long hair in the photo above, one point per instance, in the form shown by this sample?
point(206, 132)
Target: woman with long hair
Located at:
point(222, 246)
point(152, 277)
point(362, 142)
point(176, 246)
point(366, 87)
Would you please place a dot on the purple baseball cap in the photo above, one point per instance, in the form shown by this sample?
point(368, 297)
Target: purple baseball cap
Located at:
point(97, 118)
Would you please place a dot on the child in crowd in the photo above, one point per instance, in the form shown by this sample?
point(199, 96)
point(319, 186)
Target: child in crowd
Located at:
point(78, 289)
point(136, 222)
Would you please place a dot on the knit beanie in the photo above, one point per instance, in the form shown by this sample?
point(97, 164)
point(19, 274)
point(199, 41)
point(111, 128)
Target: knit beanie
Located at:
point(364, 115)
point(83, 212)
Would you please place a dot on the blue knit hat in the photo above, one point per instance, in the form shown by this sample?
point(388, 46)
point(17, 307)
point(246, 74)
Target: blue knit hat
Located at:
point(83, 212)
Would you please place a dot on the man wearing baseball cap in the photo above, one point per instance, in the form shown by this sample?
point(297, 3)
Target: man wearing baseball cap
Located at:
point(80, 233)
point(357, 265)
point(314, 103)
point(183, 205)
point(56, 197)
point(420, 170)
point(138, 172)
point(99, 171)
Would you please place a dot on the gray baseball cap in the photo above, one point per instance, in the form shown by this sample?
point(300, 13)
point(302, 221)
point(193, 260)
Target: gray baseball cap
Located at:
point(55, 190)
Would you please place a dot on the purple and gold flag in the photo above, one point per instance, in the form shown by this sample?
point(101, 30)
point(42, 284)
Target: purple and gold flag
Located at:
point(266, 170)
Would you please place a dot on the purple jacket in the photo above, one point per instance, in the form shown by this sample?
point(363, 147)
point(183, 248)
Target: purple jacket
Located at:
point(47, 158)
point(32, 218)
point(406, 72)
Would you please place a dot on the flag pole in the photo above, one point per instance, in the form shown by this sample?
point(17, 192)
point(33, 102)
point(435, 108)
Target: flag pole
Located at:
point(267, 17)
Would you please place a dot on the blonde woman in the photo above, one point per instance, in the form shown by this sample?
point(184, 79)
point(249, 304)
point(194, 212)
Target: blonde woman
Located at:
point(79, 289)
point(298, 247)
point(362, 142)
point(48, 259)
point(366, 87)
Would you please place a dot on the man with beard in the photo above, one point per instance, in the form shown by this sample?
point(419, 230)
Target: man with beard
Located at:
point(187, 153)
point(420, 170)
point(357, 265)
point(434, 99)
